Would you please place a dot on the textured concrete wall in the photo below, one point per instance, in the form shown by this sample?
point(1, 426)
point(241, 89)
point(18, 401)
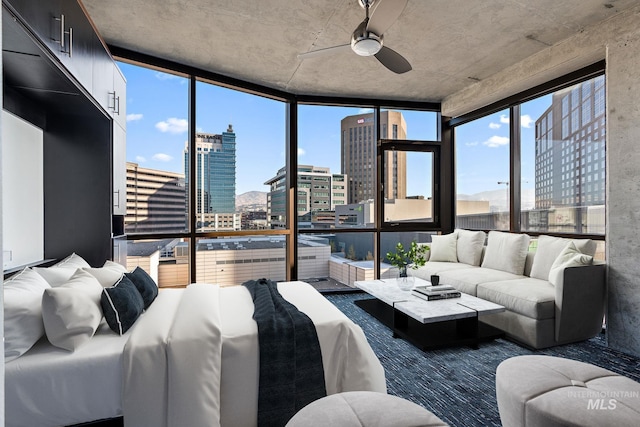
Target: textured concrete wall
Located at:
point(623, 191)
point(618, 41)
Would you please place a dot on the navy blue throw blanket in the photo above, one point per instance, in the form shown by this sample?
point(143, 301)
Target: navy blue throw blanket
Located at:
point(291, 371)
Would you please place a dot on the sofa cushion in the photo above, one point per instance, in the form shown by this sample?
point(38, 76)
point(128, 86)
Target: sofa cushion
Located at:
point(529, 297)
point(444, 248)
point(469, 247)
point(436, 267)
point(506, 252)
point(466, 280)
point(550, 247)
point(569, 257)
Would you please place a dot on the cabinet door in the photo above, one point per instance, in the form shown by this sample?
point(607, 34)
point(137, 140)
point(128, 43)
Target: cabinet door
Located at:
point(119, 170)
point(44, 19)
point(103, 69)
point(77, 54)
point(119, 97)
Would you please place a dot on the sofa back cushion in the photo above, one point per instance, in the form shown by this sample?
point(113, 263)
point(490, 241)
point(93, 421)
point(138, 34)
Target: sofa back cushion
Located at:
point(549, 248)
point(506, 252)
point(470, 244)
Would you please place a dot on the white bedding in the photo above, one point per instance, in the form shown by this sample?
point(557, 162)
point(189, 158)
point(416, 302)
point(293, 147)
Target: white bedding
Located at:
point(48, 386)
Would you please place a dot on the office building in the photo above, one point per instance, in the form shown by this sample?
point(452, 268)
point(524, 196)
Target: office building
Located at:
point(358, 146)
point(318, 191)
point(215, 173)
point(155, 200)
point(570, 148)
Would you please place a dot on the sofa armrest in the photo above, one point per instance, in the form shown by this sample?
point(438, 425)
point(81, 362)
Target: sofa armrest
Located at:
point(580, 303)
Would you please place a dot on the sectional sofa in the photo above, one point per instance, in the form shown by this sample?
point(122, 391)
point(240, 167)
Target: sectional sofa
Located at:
point(554, 295)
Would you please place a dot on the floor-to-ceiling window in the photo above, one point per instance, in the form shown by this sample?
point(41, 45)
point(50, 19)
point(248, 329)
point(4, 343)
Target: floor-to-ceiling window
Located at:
point(563, 161)
point(554, 152)
point(482, 173)
point(157, 132)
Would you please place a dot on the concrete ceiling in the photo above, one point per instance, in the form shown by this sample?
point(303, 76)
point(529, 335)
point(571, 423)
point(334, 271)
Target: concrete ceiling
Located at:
point(450, 44)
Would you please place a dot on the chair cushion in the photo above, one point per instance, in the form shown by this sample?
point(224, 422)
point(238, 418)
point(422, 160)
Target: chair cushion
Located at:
point(361, 409)
point(466, 280)
point(537, 390)
point(569, 257)
point(529, 297)
point(436, 267)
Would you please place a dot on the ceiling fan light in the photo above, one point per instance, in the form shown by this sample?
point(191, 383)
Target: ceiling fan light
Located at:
point(366, 46)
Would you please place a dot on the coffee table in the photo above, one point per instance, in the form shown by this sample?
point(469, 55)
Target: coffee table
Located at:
point(429, 324)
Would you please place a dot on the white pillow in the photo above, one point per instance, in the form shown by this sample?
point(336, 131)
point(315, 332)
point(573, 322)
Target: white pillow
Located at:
point(569, 257)
point(22, 312)
point(506, 252)
point(470, 245)
point(443, 248)
point(73, 261)
point(108, 274)
point(549, 248)
point(71, 312)
point(55, 276)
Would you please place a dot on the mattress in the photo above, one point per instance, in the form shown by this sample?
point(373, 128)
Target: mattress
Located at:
point(48, 386)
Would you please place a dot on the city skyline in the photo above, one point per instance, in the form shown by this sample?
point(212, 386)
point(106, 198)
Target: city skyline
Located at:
point(157, 131)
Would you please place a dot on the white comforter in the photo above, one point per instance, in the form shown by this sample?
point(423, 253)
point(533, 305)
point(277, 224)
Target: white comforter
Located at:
point(192, 359)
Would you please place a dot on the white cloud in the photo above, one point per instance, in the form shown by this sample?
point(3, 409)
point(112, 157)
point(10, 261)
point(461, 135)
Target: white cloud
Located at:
point(173, 125)
point(161, 157)
point(140, 159)
point(494, 125)
point(301, 152)
point(504, 118)
point(526, 121)
point(471, 144)
point(496, 141)
point(134, 117)
point(365, 110)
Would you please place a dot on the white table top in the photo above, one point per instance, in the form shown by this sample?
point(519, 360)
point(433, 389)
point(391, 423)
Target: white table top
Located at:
point(425, 311)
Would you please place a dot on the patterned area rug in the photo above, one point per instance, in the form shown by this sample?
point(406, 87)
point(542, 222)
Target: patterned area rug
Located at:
point(458, 384)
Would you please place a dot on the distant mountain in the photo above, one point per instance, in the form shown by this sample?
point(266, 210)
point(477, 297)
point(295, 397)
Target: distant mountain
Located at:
point(251, 198)
point(498, 198)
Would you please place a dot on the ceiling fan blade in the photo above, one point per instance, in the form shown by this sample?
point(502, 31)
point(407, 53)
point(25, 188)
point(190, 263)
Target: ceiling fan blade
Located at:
point(383, 14)
point(325, 51)
point(393, 60)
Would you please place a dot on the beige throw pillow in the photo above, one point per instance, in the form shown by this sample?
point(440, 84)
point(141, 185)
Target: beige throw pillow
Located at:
point(549, 248)
point(469, 246)
point(506, 252)
point(444, 248)
point(569, 257)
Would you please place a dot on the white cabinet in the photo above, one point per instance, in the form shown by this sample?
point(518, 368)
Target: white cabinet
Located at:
point(119, 170)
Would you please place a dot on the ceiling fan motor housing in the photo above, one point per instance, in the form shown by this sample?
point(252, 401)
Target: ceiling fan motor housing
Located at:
point(365, 43)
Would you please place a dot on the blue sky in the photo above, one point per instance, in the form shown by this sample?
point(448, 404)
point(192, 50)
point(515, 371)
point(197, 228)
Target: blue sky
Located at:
point(157, 111)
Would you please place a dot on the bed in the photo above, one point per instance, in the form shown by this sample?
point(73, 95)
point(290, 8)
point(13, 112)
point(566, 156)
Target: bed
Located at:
point(131, 376)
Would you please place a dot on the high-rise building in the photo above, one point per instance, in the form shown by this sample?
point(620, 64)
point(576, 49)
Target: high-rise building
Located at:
point(215, 174)
point(155, 201)
point(570, 148)
point(358, 150)
point(318, 190)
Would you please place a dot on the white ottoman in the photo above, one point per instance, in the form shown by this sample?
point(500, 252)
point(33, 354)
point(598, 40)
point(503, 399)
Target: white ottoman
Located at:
point(363, 408)
point(551, 391)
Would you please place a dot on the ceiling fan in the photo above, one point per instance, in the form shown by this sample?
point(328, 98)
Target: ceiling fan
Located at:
point(366, 40)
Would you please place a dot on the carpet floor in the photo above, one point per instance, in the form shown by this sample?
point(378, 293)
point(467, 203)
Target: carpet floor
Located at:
point(458, 384)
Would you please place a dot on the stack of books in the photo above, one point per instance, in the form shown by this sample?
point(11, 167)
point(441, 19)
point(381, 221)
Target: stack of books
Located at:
point(435, 292)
